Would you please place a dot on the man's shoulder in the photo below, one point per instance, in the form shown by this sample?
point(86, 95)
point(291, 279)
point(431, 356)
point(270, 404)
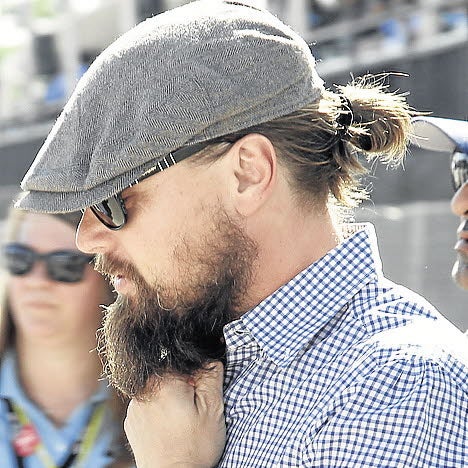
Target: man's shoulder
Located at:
point(426, 336)
point(385, 296)
point(398, 320)
point(422, 343)
point(383, 305)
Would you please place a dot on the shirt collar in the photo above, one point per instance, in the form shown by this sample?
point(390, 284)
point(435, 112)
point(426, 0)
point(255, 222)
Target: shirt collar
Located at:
point(289, 318)
point(10, 385)
point(9, 382)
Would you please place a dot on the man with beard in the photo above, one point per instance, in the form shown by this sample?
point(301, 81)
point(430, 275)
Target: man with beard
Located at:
point(254, 328)
point(451, 136)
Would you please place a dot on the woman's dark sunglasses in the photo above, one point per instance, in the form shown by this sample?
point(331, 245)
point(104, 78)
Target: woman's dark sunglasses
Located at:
point(66, 266)
point(459, 169)
point(112, 212)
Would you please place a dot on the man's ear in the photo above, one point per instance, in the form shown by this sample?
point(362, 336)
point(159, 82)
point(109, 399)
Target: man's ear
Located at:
point(254, 165)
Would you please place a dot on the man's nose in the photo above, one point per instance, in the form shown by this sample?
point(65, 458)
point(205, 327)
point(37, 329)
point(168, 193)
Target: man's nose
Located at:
point(92, 236)
point(459, 202)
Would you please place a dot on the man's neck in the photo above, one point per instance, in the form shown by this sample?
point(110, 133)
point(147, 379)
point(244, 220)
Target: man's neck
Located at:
point(285, 251)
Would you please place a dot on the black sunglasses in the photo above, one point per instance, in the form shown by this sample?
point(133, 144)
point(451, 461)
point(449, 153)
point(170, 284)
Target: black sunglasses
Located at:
point(459, 169)
point(112, 212)
point(66, 266)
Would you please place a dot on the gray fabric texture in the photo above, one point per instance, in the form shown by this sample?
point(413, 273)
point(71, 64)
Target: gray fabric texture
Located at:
point(191, 74)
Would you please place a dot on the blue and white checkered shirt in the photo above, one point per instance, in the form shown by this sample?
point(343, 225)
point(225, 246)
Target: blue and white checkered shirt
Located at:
point(342, 368)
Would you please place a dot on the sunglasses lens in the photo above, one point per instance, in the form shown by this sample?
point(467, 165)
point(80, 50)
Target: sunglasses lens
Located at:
point(64, 266)
point(459, 170)
point(18, 259)
point(111, 212)
point(67, 267)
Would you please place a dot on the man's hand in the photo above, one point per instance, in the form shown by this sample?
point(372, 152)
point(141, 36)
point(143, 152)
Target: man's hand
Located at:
point(182, 425)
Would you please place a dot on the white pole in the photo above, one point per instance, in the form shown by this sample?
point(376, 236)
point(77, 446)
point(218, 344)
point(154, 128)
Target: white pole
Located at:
point(68, 47)
point(296, 15)
point(127, 14)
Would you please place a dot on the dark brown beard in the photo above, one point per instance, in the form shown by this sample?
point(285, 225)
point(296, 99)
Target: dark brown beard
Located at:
point(141, 338)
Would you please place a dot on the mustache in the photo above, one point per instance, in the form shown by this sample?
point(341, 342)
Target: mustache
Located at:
point(111, 267)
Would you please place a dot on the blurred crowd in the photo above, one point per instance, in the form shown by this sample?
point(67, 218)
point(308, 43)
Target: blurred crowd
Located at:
point(45, 45)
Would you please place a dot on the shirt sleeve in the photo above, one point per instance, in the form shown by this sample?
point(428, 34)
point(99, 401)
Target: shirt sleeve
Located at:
point(406, 413)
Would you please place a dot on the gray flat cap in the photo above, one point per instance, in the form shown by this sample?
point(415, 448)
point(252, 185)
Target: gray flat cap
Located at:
point(200, 71)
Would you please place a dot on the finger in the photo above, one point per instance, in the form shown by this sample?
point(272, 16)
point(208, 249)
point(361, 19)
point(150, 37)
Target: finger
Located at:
point(131, 416)
point(208, 385)
point(170, 385)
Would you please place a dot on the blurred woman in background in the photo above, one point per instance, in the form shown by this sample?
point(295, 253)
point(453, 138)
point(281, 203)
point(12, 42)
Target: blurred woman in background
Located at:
point(55, 411)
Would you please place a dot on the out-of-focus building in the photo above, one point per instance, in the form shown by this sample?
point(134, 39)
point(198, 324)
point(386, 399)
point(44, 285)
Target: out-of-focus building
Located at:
point(46, 45)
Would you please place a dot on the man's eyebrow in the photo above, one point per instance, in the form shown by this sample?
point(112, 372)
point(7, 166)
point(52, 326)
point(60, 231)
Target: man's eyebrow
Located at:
point(137, 189)
point(131, 188)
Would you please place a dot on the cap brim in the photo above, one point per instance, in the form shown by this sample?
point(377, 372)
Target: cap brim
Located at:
point(439, 134)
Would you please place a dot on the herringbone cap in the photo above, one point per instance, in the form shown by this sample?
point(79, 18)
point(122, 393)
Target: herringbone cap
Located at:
point(200, 71)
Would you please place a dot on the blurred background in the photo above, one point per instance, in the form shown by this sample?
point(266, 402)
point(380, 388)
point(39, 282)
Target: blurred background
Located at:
point(46, 45)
